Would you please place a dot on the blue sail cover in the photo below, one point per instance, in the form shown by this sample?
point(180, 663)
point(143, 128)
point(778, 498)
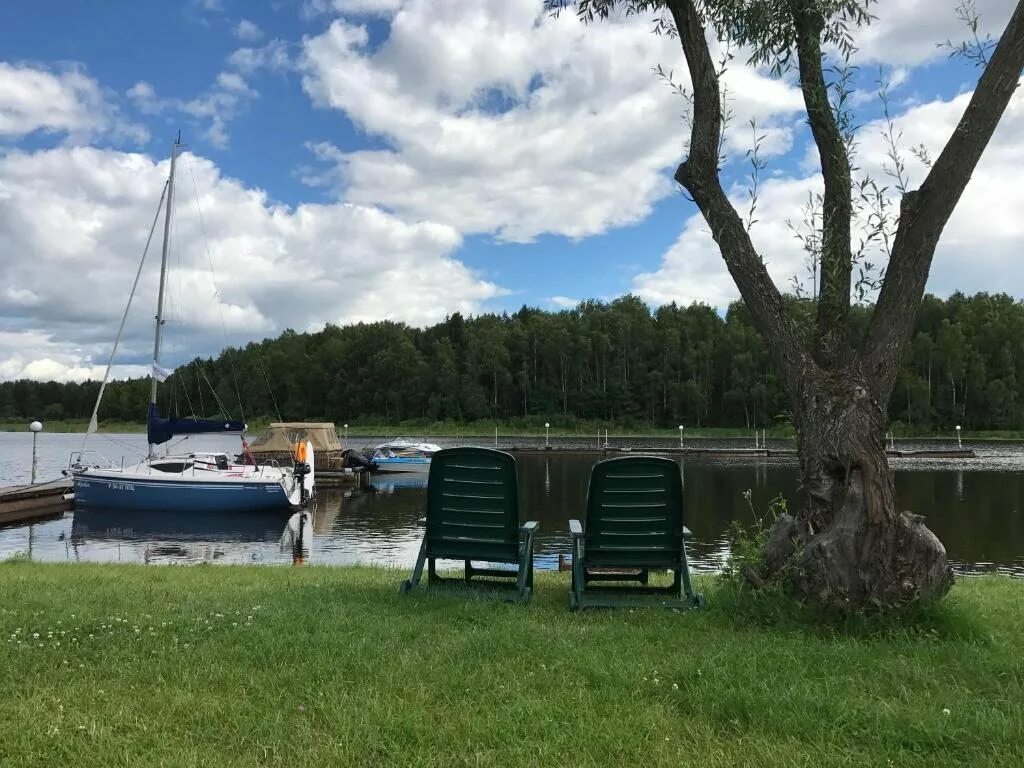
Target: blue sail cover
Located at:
point(160, 430)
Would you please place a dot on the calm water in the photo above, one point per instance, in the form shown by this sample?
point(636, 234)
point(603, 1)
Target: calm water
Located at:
point(974, 506)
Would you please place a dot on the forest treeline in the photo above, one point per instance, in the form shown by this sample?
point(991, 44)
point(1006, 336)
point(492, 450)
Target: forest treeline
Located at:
point(618, 362)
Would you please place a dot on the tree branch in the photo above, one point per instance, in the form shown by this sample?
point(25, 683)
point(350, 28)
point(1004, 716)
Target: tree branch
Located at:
point(699, 175)
point(837, 209)
point(924, 213)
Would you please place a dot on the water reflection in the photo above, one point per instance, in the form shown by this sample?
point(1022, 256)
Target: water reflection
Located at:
point(175, 537)
point(977, 514)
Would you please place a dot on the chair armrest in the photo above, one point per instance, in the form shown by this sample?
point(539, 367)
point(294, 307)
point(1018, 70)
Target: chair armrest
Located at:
point(687, 533)
point(529, 527)
point(575, 528)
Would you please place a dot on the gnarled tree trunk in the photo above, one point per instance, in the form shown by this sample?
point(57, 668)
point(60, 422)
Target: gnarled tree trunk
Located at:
point(847, 544)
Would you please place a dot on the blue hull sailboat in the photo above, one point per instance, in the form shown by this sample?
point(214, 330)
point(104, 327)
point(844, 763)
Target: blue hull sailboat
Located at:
point(193, 481)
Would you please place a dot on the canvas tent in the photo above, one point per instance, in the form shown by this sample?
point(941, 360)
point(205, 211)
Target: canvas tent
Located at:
point(278, 442)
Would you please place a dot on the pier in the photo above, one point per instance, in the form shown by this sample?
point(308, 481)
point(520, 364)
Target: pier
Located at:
point(719, 452)
point(21, 503)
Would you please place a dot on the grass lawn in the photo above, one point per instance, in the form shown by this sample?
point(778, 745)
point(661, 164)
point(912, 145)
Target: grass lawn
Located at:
point(133, 665)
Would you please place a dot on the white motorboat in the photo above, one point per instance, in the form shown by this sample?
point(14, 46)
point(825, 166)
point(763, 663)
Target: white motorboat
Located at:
point(404, 455)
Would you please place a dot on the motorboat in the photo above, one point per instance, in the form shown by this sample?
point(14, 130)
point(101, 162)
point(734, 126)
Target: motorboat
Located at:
point(403, 455)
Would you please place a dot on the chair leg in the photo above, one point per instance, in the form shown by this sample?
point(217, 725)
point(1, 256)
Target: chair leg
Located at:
point(417, 571)
point(645, 576)
point(431, 570)
point(696, 601)
point(469, 570)
point(579, 579)
point(524, 579)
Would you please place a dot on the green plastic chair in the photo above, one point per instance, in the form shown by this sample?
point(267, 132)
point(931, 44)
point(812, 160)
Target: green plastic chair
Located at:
point(473, 515)
point(634, 525)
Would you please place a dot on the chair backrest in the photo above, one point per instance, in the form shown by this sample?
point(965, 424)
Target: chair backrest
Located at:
point(473, 505)
point(634, 513)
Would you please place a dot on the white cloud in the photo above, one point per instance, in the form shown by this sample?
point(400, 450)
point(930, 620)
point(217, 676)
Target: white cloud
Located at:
point(503, 119)
point(907, 33)
point(563, 302)
point(68, 101)
point(982, 241)
point(272, 56)
point(225, 99)
point(34, 354)
point(218, 105)
point(144, 97)
point(248, 31)
point(75, 221)
point(313, 8)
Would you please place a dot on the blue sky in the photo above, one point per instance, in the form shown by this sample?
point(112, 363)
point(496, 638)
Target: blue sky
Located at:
point(411, 159)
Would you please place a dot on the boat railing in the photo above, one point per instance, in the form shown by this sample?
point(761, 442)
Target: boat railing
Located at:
point(84, 459)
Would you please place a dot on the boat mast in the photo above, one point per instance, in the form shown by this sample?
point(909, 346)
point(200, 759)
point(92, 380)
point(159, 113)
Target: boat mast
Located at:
point(163, 277)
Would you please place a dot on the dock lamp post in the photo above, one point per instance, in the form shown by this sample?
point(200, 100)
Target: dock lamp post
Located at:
point(547, 434)
point(680, 435)
point(346, 432)
point(36, 428)
point(958, 443)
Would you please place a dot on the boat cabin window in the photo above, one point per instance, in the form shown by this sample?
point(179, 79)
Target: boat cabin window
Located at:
point(171, 466)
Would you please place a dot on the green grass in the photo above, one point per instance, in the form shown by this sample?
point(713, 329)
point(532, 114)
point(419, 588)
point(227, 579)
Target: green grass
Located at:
point(226, 666)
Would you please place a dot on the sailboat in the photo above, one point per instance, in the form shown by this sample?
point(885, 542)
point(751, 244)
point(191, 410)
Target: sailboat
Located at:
point(193, 482)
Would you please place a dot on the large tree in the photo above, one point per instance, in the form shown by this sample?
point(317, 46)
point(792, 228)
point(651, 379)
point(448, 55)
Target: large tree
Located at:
point(846, 544)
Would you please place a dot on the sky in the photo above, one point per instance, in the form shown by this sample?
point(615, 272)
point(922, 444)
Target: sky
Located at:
point(361, 160)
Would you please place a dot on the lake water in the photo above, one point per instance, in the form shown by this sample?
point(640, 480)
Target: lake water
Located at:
point(975, 506)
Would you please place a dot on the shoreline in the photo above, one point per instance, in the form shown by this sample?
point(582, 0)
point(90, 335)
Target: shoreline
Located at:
point(475, 430)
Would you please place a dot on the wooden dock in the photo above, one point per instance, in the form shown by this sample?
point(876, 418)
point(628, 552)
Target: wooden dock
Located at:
point(21, 503)
point(340, 478)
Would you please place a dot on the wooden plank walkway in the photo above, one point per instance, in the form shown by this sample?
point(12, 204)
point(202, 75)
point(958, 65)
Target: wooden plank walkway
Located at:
point(19, 503)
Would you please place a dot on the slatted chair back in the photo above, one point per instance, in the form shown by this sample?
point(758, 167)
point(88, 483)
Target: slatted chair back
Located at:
point(473, 505)
point(635, 514)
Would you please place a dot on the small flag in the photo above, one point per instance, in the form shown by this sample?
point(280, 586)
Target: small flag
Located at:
point(158, 373)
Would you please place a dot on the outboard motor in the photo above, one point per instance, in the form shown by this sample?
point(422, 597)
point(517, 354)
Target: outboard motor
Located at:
point(302, 470)
point(356, 460)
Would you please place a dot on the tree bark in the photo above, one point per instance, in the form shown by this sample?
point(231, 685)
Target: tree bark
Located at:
point(836, 258)
point(847, 546)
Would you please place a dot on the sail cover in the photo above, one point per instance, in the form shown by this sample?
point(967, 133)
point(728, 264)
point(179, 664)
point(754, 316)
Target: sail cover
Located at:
point(160, 430)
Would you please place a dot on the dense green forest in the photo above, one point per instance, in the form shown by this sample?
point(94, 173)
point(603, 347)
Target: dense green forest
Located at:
point(617, 362)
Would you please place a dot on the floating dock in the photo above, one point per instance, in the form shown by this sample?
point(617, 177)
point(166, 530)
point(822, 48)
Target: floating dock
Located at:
point(21, 503)
point(340, 478)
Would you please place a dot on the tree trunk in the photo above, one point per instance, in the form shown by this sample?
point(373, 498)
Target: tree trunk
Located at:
point(847, 546)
